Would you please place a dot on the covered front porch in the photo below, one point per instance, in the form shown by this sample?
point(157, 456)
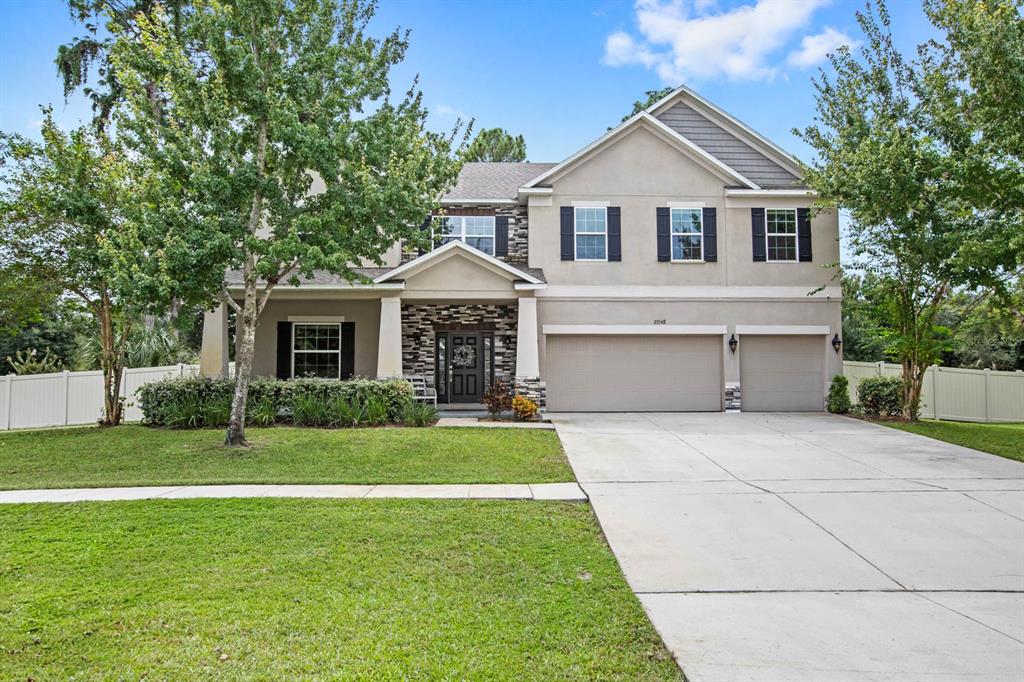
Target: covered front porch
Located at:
point(456, 317)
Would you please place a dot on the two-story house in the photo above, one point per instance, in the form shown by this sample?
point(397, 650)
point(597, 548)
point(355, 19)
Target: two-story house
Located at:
point(674, 255)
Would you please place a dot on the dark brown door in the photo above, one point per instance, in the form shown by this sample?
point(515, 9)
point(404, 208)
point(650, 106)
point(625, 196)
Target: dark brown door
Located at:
point(467, 367)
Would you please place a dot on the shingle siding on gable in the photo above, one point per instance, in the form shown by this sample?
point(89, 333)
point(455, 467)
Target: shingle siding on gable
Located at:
point(726, 147)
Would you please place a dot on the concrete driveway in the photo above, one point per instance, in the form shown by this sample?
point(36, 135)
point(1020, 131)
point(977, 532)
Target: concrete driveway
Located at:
point(810, 547)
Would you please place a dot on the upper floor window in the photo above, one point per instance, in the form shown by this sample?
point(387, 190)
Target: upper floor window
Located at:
point(591, 233)
point(316, 350)
point(475, 230)
point(687, 235)
point(780, 234)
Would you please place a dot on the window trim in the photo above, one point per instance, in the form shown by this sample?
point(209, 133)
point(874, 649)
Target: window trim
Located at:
point(671, 234)
point(314, 322)
point(795, 235)
point(435, 238)
point(576, 233)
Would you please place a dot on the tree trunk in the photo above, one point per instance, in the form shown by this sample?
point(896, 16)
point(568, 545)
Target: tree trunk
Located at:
point(112, 364)
point(913, 383)
point(246, 323)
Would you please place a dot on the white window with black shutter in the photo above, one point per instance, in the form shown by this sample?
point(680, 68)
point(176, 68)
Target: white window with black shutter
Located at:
point(476, 230)
point(687, 234)
point(316, 348)
point(781, 235)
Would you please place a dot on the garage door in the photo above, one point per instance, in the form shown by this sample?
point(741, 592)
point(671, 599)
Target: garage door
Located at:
point(633, 373)
point(782, 373)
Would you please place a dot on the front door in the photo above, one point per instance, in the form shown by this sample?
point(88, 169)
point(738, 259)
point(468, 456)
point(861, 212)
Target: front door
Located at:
point(465, 360)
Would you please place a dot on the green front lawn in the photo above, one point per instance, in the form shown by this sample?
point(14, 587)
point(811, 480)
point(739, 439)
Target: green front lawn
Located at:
point(317, 589)
point(1005, 440)
point(136, 455)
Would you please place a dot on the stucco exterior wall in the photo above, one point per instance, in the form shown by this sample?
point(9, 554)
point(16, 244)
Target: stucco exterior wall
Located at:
point(641, 172)
point(365, 314)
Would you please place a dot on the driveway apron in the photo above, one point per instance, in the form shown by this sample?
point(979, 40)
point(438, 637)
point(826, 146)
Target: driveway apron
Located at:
point(810, 546)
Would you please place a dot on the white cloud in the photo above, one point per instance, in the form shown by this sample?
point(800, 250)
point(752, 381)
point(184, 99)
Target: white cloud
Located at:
point(814, 49)
point(447, 110)
point(685, 41)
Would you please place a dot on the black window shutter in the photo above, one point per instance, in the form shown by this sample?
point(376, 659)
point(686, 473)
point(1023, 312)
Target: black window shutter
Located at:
point(425, 228)
point(501, 235)
point(568, 233)
point(710, 227)
point(348, 350)
point(614, 233)
point(284, 350)
point(803, 233)
point(664, 236)
point(757, 227)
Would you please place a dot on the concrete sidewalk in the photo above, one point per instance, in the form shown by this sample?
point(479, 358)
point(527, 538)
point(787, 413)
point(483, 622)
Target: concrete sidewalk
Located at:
point(809, 547)
point(566, 492)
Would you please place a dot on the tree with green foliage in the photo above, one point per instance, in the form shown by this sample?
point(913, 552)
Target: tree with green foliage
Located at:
point(878, 158)
point(259, 100)
point(495, 144)
point(67, 207)
point(650, 98)
point(78, 59)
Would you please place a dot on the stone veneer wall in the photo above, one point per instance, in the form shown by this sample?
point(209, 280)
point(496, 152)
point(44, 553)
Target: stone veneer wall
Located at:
point(533, 388)
point(518, 227)
point(420, 321)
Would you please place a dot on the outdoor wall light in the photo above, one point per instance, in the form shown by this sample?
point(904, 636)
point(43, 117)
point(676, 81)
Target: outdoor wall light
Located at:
point(733, 343)
point(837, 343)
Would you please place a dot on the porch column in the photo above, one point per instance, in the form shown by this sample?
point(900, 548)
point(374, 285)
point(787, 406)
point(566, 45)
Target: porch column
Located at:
point(527, 354)
point(213, 354)
point(389, 344)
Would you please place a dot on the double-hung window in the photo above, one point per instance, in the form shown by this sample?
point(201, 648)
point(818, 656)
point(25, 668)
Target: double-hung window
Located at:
point(591, 233)
point(316, 350)
point(687, 235)
point(780, 233)
point(475, 230)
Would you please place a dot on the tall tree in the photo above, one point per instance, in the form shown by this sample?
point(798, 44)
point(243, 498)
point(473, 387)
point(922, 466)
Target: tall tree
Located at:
point(496, 144)
point(88, 56)
point(878, 158)
point(66, 215)
point(258, 100)
point(650, 97)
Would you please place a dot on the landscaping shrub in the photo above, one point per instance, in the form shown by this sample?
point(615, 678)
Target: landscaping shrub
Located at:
point(880, 396)
point(347, 412)
point(191, 401)
point(418, 413)
point(839, 395)
point(310, 409)
point(498, 399)
point(524, 408)
point(376, 411)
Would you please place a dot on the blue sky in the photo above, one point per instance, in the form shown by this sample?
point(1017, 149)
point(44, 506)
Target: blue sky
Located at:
point(558, 72)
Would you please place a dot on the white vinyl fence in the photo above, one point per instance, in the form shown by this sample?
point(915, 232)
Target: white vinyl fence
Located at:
point(67, 398)
point(967, 395)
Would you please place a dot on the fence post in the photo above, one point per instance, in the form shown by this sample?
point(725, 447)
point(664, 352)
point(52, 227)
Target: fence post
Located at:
point(988, 373)
point(9, 392)
point(67, 399)
point(880, 367)
point(935, 391)
point(181, 369)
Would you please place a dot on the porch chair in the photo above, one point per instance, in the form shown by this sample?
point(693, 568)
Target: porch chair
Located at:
point(421, 390)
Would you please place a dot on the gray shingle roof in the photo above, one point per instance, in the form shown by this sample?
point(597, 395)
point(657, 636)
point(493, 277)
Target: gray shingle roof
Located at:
point(494, 180)
point(319, 278)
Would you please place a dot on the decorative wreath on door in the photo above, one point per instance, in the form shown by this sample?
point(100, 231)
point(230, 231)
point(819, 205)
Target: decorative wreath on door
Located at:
point(463, 356)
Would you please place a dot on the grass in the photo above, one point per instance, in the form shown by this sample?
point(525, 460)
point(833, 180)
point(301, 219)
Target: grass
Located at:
point(1005, 440)
point(324, 589)
point(136, 455)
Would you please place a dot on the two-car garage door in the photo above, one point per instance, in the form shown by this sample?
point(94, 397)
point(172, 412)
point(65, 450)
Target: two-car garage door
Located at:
point(634, 373)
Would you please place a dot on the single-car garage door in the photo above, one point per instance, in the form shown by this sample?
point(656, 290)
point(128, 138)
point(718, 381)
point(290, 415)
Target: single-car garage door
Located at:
point(782, 373)
point(628, 373)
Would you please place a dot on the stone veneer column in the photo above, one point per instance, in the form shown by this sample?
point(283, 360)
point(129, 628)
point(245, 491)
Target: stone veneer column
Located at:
point(213, 355)
point(527, 353)
point(389, 343)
